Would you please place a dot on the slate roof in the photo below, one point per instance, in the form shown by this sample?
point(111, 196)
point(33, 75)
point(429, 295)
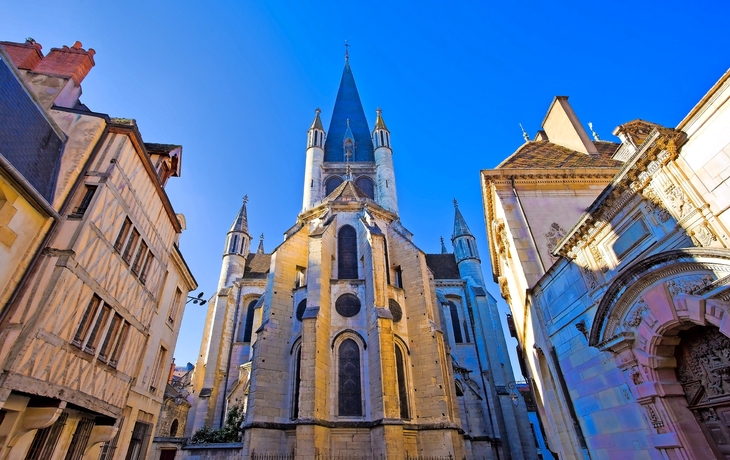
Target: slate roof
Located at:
point(348, 107)
point(27, 139)
point(257, 266)
point(546, 155)
point(443, 266)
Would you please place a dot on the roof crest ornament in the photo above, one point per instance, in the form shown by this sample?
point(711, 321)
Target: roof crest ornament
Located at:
point(524, 134)
point(593, 133)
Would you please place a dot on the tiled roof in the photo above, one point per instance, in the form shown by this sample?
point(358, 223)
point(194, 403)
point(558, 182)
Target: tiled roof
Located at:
point(546, 155)
point(27, 139)
point(257, 266)
point(443, 266)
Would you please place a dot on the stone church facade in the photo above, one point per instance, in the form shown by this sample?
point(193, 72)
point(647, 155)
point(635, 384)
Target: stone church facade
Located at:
point(615, 261)
point(347, 339)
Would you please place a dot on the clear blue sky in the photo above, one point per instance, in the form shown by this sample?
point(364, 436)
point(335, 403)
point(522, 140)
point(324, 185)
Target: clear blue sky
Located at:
point(236, 83)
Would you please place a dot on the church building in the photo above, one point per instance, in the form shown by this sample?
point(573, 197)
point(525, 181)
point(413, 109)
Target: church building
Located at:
point(347, 339)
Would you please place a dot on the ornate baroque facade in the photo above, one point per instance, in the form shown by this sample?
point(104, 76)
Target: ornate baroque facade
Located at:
point(349, 340)
point(614, 260)
point(92, 280)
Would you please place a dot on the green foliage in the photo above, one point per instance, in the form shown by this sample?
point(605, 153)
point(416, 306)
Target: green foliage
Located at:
point(231, 431)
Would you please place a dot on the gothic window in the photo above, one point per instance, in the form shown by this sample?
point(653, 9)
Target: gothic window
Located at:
point(300, 309)
point(365, 184)
point(347, 253)
point(234, 244)
point(248, 326)
point(173, 428)
point(395, 310)
point(297, 384)
point(350, 393)
point(347, 305)
point(402, 388)
point(455, 322)
point(331, 184)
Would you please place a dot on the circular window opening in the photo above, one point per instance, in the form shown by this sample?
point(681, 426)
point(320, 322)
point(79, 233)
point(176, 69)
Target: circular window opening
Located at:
point(395, 310)
point(300, 309)
point(347, 305)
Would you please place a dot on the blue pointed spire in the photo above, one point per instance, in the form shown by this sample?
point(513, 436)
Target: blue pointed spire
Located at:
point(460, 227)
point(348, 107)
point(241, 222)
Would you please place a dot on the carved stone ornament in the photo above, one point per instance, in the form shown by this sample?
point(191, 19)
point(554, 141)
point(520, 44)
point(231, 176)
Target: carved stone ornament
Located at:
point(655, 205)
point(598, 257)
point(500, 237)
point(653, 415)
point(702, 235)
point(633, 319)
point(703, 365)
point(504, 288)
point(688, 284)
point(677, 200)
point(555, 234)
point(590, 277)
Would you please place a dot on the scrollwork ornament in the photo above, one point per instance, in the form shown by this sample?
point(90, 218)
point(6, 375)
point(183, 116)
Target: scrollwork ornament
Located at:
point(702, 235)
point(677, 200)
point(634, 318)
point(688, 284)
point(555, 234)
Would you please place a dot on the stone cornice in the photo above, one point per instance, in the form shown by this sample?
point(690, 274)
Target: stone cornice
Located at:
point(662, 146)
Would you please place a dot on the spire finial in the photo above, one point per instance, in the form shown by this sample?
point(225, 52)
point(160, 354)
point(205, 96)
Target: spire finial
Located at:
point(347, 51)
point(317, 111)
point(595, 135)
point(245, 199)
point(260, 249)
point(456, 203)
point(378, 111)
point(443, 246)
point(524, 134)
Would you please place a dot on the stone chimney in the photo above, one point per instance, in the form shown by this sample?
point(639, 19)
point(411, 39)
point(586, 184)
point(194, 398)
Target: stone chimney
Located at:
point(24, 55)
point(74, 62)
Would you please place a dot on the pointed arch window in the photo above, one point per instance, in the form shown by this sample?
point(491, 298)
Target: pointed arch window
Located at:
point(349, 391)
point(347, 253)
point(331, 184)
point(455, 322)
point(248, 325)
point(297, 384)
point(233, 244)
point(402, 388)
point(365, 184)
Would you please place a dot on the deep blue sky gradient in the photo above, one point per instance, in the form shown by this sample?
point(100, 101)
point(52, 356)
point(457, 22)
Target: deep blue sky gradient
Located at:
point(236, 83)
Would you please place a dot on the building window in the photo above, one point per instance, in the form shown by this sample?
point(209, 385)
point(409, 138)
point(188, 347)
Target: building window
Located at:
point(45, 440)
point(297, 384)
point(157, 370)
point(459, 390)
point(139, 258)
point(86, 320)
point(131, 245)
point(455, 322)
point(93, 339)
point(173, 428)
point(138, 443)
point(248, 326)
point(108, 448)
point(347, 253)
point(402, 388)
point(146, 267)
point(301, 279)
point(80, 210)
point(233, 245)
point(87, 338)
point(300, 309)
point(111, 338)
point(331, 184)
point(395, 310)
point(347, 305)
point(176, 300)
point(365, 184)
point(350, 393)
point(123, 234)
point(80, 439)
point(398, 277)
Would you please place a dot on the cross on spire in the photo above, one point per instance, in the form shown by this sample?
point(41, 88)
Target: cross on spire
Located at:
point(245, 199)
point(347, 51)
point(456, 203)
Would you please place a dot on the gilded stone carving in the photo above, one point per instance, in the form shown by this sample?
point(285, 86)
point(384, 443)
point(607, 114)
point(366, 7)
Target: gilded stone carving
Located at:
point(702, 235)
point(688, 284)
point(703, 364)
point(598, 257)
point(555, 234)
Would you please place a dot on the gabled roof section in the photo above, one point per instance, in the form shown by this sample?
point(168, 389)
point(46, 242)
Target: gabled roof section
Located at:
point(257, 266)
point(443, 266)
point(348, 107)
point(347, 191)
point(547, 155)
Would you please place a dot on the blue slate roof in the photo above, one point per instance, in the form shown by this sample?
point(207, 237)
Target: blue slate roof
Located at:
point(348, 107)
point(460, 227)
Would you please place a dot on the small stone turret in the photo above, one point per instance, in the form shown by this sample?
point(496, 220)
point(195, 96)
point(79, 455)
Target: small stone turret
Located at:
point(465, 249)
point(385, 174)
point(238, 243)
point(313, 168)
